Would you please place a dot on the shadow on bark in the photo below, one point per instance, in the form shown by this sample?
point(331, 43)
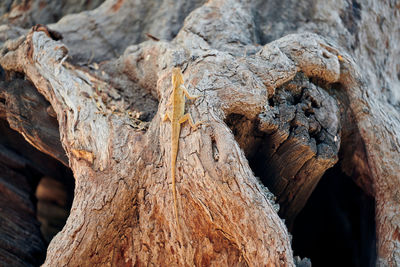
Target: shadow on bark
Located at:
point(35, 199)
point(338, 219)
point(37, 190)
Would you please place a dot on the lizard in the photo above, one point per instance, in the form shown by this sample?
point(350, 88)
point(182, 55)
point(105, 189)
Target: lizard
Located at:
point(177, 116)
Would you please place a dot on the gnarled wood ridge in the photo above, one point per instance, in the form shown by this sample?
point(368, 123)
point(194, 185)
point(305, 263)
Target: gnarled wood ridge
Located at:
point(279, 106)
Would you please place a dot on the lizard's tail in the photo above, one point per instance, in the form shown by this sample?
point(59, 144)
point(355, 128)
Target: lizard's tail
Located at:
point(174, 194)
point(179, 230)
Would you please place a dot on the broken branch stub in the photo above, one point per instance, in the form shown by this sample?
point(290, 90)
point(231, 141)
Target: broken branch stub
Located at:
point(302, 142)
point(296, 137)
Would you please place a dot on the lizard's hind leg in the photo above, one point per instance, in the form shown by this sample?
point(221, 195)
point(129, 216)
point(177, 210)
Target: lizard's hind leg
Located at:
point(166, 117)
point(188, 118)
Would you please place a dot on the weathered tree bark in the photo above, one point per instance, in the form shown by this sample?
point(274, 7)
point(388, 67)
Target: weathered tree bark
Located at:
point(22, 166)
point(281, 107)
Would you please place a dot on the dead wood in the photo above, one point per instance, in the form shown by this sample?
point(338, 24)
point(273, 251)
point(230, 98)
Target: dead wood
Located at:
point(280, 112)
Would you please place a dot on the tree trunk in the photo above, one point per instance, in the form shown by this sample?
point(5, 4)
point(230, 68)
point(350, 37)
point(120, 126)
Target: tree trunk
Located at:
point(285, 94)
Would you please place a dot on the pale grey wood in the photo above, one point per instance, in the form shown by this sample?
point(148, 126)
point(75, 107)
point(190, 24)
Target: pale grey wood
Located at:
point(238, 55)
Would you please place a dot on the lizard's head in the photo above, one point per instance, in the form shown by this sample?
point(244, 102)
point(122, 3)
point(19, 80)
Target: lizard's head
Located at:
point(177, 79)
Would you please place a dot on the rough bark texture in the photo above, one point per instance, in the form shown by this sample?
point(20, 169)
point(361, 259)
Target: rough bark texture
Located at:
point(287, 89)
point(25, 13)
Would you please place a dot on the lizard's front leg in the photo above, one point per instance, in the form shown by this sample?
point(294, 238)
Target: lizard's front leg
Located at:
point(188, 96)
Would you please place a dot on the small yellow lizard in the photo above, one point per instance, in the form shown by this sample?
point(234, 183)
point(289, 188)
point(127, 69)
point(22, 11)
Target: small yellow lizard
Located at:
point(177, 117)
